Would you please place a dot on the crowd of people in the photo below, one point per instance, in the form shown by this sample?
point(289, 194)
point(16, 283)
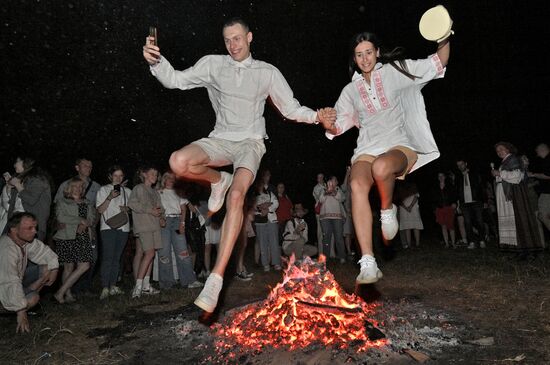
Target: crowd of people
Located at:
point(91, 225)
point(508, 205)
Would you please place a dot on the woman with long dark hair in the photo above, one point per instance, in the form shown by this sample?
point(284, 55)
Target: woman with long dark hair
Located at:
point(384, 101)
point(33, 186)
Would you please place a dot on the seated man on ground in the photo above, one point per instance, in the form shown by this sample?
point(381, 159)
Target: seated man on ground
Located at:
point(19, 284)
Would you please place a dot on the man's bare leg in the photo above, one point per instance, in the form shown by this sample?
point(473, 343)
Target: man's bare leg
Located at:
point(231, 228)
point(233, 221)
point(191, 162)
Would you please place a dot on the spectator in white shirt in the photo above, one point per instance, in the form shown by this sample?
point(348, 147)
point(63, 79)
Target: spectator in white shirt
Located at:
point(238, 87)
point(19, 283)
point(174, 243)
point(112, 199)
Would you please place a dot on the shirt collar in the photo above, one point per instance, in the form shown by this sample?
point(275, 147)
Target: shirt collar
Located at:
point(357, 75)
point(246, 63)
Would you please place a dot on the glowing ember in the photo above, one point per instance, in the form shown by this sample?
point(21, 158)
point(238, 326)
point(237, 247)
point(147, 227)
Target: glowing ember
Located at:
point(307, 307)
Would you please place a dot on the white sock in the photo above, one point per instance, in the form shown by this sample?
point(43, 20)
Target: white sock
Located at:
point(139, 283)
point(146, 284)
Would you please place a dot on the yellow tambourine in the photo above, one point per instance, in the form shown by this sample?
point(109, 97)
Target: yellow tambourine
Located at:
point(435, 24)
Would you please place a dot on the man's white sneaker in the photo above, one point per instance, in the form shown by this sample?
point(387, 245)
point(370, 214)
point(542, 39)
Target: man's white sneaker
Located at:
point(208, 297)
point(369, 270)
point(482, 244)
point(390, 225)
point(219, 189)
point(471, 246)
point(104, 294)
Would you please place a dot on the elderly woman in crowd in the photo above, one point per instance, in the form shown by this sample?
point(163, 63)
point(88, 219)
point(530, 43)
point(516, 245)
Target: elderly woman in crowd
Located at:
point(75, 215)
point(517, 226)
point(111, 202)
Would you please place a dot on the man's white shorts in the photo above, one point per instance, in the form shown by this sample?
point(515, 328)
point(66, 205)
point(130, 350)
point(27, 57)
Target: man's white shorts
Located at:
point(247, 153)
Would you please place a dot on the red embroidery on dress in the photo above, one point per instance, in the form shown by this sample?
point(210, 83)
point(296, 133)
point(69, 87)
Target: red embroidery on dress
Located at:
point(380, 90)
point(437, 64)
point(365, 97)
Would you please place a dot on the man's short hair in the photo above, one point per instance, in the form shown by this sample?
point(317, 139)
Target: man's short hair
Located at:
point(16, 219)
point(236, 20)
point(79, 160)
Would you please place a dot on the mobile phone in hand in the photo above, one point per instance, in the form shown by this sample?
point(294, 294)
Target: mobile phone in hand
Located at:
point(153, 33)
point(116, 187)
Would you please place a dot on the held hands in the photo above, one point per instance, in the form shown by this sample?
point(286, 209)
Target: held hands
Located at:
point(151, 53)
point(327, 117)
point(495, 172)
point(156, 212)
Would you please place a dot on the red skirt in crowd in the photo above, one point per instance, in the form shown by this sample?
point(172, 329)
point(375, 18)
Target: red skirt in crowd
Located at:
point(445, 216)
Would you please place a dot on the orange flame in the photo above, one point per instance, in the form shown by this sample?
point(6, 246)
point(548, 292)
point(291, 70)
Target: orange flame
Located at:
point(307, 307)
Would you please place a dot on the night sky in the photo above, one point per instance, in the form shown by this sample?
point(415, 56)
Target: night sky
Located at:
point(75, 82)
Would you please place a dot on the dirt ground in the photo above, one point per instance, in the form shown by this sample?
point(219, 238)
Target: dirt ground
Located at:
point(472, 294)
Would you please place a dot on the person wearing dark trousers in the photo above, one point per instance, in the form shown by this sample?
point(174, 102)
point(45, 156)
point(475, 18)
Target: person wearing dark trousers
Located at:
point(470, 199)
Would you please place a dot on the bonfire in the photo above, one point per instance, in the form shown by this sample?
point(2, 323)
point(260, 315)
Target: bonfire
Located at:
point(307, 308)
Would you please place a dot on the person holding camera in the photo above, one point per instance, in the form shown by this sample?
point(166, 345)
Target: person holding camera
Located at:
point(112, 205)
point(295, 235)
point(238, 86)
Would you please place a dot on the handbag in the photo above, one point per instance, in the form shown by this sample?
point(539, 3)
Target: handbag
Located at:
point(318, 208)
point(119, 219)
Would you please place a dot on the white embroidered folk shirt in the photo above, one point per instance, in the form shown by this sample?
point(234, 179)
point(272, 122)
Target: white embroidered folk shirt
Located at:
point(390, 111)
point(237, 91)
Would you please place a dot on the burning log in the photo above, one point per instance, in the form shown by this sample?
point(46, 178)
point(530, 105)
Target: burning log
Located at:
point(330, 308)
